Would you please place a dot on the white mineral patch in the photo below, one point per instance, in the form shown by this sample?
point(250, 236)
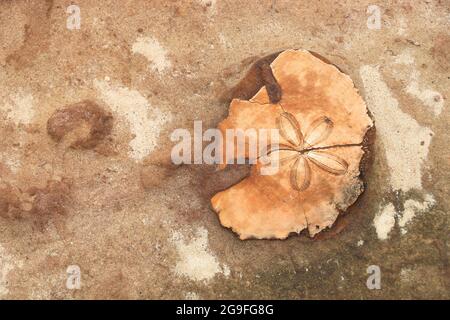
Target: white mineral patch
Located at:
point(402, 28)
point(405, 274)
point(413, 207)
point(12, 160)
point(20, 109)
point(191, 296)
point(384, 221)
point(146, 121)
point(404, 58)
point(224, 41)
point(430, 98)
point(405, 141)
point(197, 262)
point(152, 50)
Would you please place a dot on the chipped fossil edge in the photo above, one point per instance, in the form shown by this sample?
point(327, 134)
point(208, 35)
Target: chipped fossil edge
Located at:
point(236, 92)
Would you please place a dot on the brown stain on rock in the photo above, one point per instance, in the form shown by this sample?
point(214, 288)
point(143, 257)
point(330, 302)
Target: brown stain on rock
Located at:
point(37, 205)
point(257, 76)
point(441, 51)
point(52, 199)
point(156, 168)
point(86, 122)
point(37, 33)
point(153, 175)
point(9, 201)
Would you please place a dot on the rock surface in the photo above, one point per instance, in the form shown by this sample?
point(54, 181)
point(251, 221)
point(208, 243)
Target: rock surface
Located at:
point(159, 65)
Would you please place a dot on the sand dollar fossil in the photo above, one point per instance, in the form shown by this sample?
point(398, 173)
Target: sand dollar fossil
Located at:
point(322, 122)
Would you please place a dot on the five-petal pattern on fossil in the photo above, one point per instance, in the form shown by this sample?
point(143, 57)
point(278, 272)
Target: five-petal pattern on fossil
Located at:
point(300, 150)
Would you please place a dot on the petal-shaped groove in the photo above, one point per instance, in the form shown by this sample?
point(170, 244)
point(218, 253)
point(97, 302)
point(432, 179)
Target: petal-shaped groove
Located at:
point(280, 157)
point(300, 174)
point(318, 131)
point(279, 146)
point(290, 129)
point(328, 162)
